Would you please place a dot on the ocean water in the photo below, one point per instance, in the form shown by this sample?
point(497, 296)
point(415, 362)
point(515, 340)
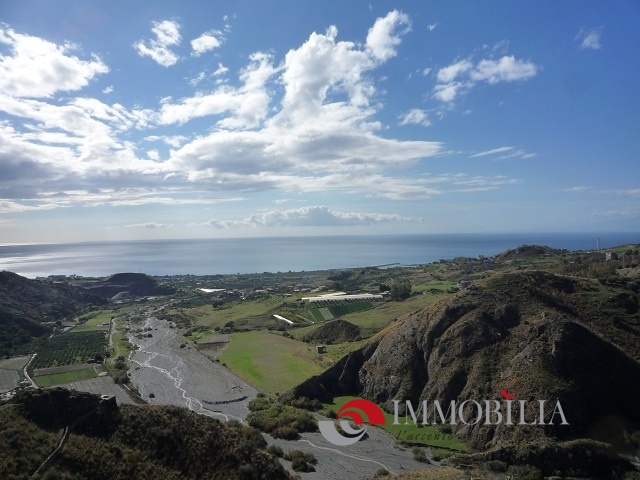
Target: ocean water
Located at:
point(256, 255)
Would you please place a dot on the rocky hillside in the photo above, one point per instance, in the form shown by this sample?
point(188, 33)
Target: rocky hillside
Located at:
point(27, 305)
point(537, 335)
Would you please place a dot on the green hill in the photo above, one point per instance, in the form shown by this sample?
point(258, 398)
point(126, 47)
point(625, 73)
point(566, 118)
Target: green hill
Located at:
point(26, 306)
point(107, 441)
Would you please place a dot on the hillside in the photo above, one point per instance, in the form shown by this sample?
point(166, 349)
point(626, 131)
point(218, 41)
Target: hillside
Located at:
point(335, 331)
point(26, 304)
point(536, 334)
point(107, 441)
point(128, 284)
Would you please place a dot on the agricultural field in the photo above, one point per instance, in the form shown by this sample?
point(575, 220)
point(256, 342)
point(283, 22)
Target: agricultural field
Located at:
point(69, 348)
point(94, 321)
point(66, 377)
point(15, 363)
point(375, 319)
point(246, 312)
point(323, 311)
point(270, 362)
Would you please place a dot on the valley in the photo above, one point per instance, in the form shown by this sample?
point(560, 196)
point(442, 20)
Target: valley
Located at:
point(531, 320)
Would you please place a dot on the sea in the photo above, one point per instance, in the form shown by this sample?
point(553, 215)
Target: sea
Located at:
point(282, 254)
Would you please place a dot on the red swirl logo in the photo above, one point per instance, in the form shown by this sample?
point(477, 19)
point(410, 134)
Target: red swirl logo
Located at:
point(351, 410)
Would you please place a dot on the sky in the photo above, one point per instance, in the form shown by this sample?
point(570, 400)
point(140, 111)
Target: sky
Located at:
point(128, 120)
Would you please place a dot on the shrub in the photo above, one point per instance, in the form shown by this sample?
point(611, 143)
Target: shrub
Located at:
point(306, 403)
point(382, 472)
point(275, 450)
point(299, 465)
point(301, 461)
point(285, 432)
point(419, 455)
point(281, 421)
point(524, 472)
point(496, 466)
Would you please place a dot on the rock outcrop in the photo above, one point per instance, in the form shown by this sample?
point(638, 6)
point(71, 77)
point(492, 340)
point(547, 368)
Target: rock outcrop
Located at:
point(537, 335)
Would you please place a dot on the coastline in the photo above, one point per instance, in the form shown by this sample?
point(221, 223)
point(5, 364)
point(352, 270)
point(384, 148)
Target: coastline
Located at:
point(277, 254)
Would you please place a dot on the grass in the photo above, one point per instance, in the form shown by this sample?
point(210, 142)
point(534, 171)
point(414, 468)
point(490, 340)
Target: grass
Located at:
point(94, 323)
point(443, 285)
point(270, 362)
point(15, 363)
point(375, 319)
point(121, 345)
point(411, 433)
point(67, 377)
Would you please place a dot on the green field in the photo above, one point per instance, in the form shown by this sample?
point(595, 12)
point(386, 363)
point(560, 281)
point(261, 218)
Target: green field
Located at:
point(67, 377)
point(271, 362)
point(336, 309)
point(94, 321)
point(120, 346)
point(411, 433)
point(375, 319)
point(69, 348)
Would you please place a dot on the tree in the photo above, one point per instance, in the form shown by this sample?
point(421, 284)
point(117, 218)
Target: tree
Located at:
point(401, 290)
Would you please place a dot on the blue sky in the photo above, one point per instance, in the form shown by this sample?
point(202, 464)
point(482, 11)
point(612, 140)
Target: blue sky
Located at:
point(136, 120)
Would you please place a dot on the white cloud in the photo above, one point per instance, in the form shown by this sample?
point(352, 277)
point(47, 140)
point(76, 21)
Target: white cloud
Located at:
point(589, 38)
point(221, 70)
point(384, 37)
point(463, 75)
point(206, 42)
point(108, 90)
point(320, 135)
point(453, 71)
point(37, 68)
point(576, 189)
point(449, 91)
point(7, 206)
point(626, 212)
point(148, 225)
point(167, 34)
point(314, 216)
point(506, 69)
point(632, 192)
point(247, 104)
point(197, 79)
point(175, 141)
point(491, 152)
point(415, 117)
point(509, 152)
point(431, 27)
point(426, 71)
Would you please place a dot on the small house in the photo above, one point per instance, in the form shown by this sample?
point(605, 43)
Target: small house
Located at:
point(321, 349)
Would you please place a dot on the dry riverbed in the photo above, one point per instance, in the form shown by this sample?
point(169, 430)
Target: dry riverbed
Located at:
point(166, 374)
point(186, 377)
